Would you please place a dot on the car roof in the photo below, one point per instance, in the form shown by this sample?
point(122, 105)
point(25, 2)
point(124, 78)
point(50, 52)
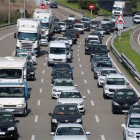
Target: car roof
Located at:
point(63, 79)
point(95, 36)
point(108, 69)
point(62, 64)
point(68, 104)
point(71, 91)
point(125, 89)
point(79, 24)
point(69, 125)
point(115, 75)
point(6, 112)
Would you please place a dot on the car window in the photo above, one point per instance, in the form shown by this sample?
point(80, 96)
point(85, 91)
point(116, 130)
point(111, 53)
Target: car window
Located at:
point(104, 72)
point(125, 95)
point(70, 95)
point(70, 131)
point(135, 110)
point(134, 123)
point(4, 118)
point(104, 64)
point(62, 73)
point(62, 66)
point(63, 83)
point(115, 81)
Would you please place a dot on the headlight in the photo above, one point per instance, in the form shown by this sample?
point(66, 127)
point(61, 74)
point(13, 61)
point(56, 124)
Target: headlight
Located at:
point(78, 120)
point(20, 105)
point(136, 103)
point(54, 120)
point(59, 103)
point(50, 59)
point(11, 128)
point(106, 88)
point(115, 103)
point(86, 48)
point(82, 103)
point(54, 90)
point(0, 105)
point(31, 72)
point(101, 79)
point(131, 134)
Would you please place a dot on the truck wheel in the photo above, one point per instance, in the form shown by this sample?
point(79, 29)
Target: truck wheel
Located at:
point(25, 112)
point(34, 78)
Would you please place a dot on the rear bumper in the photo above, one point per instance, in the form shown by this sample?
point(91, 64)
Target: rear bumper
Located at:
point(14, 110)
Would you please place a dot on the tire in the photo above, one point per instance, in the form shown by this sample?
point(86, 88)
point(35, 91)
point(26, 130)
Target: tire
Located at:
point(105, 97)
point(85, 53)
point(53, 97)
point(52, 130)
point(113, 111)
point(95, 77)
point(25, 112)
point(34, 77)
point(98, 85)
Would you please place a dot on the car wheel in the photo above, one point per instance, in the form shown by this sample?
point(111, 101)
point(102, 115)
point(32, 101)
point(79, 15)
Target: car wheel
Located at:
point(25, 112)
point(98, 85)
point(53, 97)
point(34, 77)
point(48, 65)
point(52, 130)
point(113, 111)
point(105, 97)
point(95, 76)
point(85, 53)
point(91, 68)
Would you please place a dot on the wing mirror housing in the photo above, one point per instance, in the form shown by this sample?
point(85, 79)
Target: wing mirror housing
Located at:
point(84, 97)
point(87, 133)
point(124, 126)
point(76, 85)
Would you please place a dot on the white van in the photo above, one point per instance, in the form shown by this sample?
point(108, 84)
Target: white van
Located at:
point(79, 27)
point(47, 2)
point(57, 53)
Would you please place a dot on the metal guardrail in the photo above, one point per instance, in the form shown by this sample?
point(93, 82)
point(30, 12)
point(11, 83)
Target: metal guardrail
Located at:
point(123, 59)
point(6, 25)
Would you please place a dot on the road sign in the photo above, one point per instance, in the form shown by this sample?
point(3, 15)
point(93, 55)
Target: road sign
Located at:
point(120, 26)
point(21, 11)
point(43, 6)
point(91, 6)
point(120, 20)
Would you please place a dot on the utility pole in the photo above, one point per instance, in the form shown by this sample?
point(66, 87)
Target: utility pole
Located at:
point(9, 12)
point(24, 9)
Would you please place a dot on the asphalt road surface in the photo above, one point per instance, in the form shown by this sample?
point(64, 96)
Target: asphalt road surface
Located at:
point(136, 37)
point(98, 118)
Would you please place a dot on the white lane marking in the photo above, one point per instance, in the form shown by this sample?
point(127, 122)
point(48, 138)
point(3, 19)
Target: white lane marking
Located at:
point(139, 39)
point(120, 70)
point(102, 137)
point(60, 14)
point(80, 43)
point(38, 102)
point(43, 71)
point(36, 118)
point(42, 80)
point(85, 81)
point(88, 91)
point(44, 64)
point(13, 53)
point(78, 59)
point(96, 118)
point(40, 90)
point(80, 65)
point(6, 36)
point(78, 54)
point(33, 137)
point(78, 46)
point(82, 39)
point(78, 50)
point(46, 58)
point(82, 72)
point(92, 103)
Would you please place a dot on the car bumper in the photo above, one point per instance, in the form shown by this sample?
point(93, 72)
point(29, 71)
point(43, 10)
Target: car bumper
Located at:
point(57, 31)
point(30, 76)
point(87, 51)
point(100, 83)
point(14, 110)
point(63, 29)
point(54, 62)
point(8, 135)
point(43, 43)
point(109, 94)
point(121, 109)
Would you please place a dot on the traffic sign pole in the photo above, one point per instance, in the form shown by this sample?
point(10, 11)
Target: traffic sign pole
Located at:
point(91, 13)
point(91, 7)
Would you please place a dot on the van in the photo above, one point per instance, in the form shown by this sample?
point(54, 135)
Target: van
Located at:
point(57, 53)
point(79, 27)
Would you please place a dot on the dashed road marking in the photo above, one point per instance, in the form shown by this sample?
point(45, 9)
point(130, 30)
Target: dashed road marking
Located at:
point(80, 65)
point(33, 137)
point(40, 90)
point(85, 81)
point(36, 118)
point(82, 72)
point(44, 64)
point(92, 103)
point(96, 118)
point(46, 58)
point(102, 137)
point(43, 71)
point(78, 54)
point(80, 43)
point(78, 46)
point(88, 91)
point(78, 50)
point(78, 59)
point(42, 80)
point(38, 103)
point(82, 39)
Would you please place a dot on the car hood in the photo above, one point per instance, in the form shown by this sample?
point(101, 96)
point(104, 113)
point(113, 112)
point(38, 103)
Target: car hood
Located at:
point(61, 77)
point(6, 125)
point(116, 86)
point(126, 101)
point(29, 70)
point(64, 87)
point(70, 100)
point(70, 137)
point(66, 117)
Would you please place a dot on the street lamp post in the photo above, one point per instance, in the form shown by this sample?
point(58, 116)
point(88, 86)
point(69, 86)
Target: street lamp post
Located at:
point(9, 12)
point(24, 9)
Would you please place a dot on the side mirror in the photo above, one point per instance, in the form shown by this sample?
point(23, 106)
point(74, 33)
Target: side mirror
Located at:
point(87, 133)
point(50, 114)
point(84, 97)
point(24, 77)
point(108, 50)
point(28, 95)
point(76, 85)
point(127, 83)
point(15, 35)
point(52, 85)
point(52, 133)
point(17, 121)
point(123, 125)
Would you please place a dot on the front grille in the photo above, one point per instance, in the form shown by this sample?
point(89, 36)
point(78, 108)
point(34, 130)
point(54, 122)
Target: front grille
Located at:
point(112, 90)
point(27, 46)
point(9, 105)
point(66, 121)
point(58, 90)
point(42, 32)
point(116, 13)
point(3, 129)
point(57, 59)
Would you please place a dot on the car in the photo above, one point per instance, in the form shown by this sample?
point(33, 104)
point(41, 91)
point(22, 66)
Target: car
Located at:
point(65, 39)
point(92, 56)
point(8, 125)
point(74, 31)
point(94, 24)
point(95, 32)
point(71, 17)
point(106, 28)
point(87, 26)
point(111, 26)
point(113, 82)
point(131, 128)
point(137, 19)
point(43, 41)
point(79, 27)
point(123, 99)
point(100, 65)
point(94, 38)
point(65, 113)
point(63, 65)
point(63, 26)
point(70, 131)
point(69, 52)
point(61, 85)
point(113, 19)
point(85, 19)
point(76, 21)
point(137, 14)
point(100, 30)
point(103, 72)
point(105, 20)
point(69, 23)
point(53, 5)
point(73, 97)
point(30, 71)
point(57, 28)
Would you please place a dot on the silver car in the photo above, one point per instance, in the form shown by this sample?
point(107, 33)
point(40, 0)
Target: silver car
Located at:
point(44, 41)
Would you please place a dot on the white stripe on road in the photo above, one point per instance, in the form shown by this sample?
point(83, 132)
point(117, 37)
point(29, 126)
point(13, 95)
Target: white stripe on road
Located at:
point(85, 81)
point(82, 39)
point(78, 46)
point(82, 72)
point(44, 64)
point(42, 80)
point(78, 50)
point(139, 39)
point(33, 137)
point(80, 65)
point(96, 118)
point(80, 43)
point(46, 58)
point(36, 118)
point(43, 71)
point(6, 36)
point(88, 91)
point(40, 90)
point(38, 103)
point(102, 137)
point(78, 54)
point(78, 59)
point(92, 103)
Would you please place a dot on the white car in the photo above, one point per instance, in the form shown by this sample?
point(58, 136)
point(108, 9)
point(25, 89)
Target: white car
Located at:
point(105, 21)
point(100, 30)
point(113, 82)
point(63, 26)
point(71, 17)
point(64, 39)
point(137, 14)
point(137, 19)
point(102, 74)
point(85, 19)
point(79, 27)
point(44, 41)
point(131, 130)
point(70, 132)
point(73, 97)
point(62, 85)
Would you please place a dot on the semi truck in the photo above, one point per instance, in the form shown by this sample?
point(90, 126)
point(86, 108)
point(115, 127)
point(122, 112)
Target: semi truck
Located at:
point(28, 35)
point(122, 7)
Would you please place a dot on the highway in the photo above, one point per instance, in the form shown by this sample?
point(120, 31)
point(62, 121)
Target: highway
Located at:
point(136, 37)
point(98, 118)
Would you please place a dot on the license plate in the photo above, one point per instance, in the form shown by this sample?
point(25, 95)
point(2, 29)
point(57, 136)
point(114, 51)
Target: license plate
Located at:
point(9, 109)
point(2, 133)
point(124, 110)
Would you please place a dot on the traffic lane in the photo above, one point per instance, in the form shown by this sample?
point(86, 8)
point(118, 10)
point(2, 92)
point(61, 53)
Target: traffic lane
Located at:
point(136, 37)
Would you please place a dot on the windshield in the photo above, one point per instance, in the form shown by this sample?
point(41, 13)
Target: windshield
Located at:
point(98, 29)
point(137, 18)
point(27, 36)
point(104, 64)
point(62, 66)
point(85, 19)
point(77, 20)
point(10, 73)
point(66, 110)
point(62, 73)
point(105, 19)
point(104, 72)
point(93, 38)
point(30, 66)
point(63, 83)
point(57, 50)
point(125, 95)
point(11, 92)
point(22, 55)
point(99, 49)
point(78, 26)
point(115, 81)
point(6, 118)
point(61, 24)
point(70, 131)
point(117, 8)
point(71, 15)
point(62, 38)
point(135, 110)
point(94, 22)
point(134, 123)
point(70, 95)
point(45, 25)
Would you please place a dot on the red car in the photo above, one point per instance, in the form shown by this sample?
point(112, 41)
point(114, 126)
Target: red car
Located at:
point(76, 21)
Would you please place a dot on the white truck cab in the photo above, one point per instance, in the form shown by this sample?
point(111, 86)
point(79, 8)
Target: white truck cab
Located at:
point(118, 7)
point(57, 53)
point(79, 27)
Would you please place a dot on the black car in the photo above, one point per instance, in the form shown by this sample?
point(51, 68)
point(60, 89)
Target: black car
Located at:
point(123, 99)
point(66, 113)
point(60, 73)
point(8, 126)
point(56, 19)
point(87, 26)
point(57, 28)
point(69, 23)
point(53, 5)
point(70, 35)
point(94, 24)
point(30, 71)
point(111, 26)
point(106, 28)
point(92, 56)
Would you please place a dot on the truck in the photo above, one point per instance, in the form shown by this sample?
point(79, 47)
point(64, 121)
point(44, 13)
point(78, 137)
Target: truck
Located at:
point(122, 7)
point(14, 97)
point(13, 69)
point(28, 35)
point(47, 25)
